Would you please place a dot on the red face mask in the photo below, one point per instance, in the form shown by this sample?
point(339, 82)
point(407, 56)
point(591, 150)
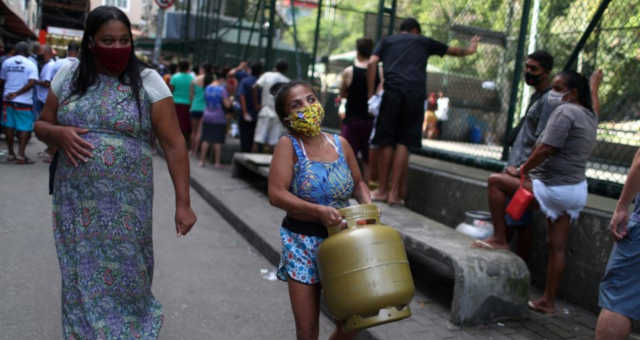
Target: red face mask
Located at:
point(114, 59)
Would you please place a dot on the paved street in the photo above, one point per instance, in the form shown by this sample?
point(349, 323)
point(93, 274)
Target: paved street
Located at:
point(210, 283)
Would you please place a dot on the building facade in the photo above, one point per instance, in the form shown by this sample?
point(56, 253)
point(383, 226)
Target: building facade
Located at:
point(19, 18)
point(141, 13)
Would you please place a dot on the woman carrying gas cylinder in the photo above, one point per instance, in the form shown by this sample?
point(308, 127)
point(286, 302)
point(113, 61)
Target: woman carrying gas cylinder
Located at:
point(312, 175)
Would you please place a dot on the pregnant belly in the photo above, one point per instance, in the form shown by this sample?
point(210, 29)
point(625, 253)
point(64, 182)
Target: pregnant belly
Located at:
point(118, 158)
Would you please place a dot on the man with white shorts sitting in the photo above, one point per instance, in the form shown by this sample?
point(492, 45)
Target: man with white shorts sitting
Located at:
point(268, 128)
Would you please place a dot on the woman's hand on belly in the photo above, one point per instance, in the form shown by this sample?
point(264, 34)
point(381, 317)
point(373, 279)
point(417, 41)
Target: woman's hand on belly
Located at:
point(75, 147)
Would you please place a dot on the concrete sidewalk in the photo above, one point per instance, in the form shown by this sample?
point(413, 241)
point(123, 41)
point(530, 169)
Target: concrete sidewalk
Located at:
point(245, 206)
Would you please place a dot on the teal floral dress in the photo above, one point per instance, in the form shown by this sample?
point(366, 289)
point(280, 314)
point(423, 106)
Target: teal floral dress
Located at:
point(102, 213)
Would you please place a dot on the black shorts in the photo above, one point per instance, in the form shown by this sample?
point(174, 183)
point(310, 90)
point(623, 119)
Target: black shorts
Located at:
point(214, 133)
point(400, 119)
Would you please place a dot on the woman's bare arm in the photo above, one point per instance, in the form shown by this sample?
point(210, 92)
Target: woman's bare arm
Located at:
point(165, 127)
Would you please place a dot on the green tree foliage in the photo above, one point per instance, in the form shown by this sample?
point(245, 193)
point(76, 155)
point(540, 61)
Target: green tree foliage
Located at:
point(613, 47)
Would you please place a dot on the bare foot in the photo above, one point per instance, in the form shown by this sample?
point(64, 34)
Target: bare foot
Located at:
point(541, 305)
point(201, 164)
point(376, 196)
point(218, 166)
point(490, 244)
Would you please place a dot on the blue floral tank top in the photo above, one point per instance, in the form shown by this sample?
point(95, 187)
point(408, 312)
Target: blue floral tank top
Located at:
point(325, 183)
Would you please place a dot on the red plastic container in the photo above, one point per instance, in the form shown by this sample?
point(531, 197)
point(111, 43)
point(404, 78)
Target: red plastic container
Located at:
point(519, 202)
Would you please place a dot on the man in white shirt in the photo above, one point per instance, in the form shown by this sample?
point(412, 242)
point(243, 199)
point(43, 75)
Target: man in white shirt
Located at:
point(73, 50)
point(18, 75)
point(268, 127)
point(46, 75)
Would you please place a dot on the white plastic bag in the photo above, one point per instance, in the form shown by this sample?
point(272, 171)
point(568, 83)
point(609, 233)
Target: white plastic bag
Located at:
point(374, 103)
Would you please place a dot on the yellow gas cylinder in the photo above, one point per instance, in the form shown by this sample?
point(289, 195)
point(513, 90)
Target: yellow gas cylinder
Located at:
point(364, 270)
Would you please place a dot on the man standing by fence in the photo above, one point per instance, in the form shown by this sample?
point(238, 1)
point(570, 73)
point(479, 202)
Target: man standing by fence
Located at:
point(537, 74)
point(404, 57)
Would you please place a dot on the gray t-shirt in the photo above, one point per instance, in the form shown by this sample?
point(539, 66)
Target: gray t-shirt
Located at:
point(572, 131)
point(533, 124)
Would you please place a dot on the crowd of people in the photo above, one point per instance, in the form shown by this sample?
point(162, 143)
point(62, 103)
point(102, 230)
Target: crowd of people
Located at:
point(26, 72)
point(213, 102)
point(100, 108)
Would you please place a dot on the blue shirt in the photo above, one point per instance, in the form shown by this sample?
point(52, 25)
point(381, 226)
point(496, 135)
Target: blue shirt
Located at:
point(241, 75)
point(213, 112)
point(245, 89)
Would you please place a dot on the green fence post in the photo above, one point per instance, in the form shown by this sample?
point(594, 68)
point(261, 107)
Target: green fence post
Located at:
point(253, 27)
point(295, 38)
point(517, 72)
point(583, 40)
point(392, 17)
point(380, 19)
point(316, 35)
point(240, 29)
point(272, 31)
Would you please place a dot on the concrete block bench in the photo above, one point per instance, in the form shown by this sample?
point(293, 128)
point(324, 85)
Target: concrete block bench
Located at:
point(488, 285)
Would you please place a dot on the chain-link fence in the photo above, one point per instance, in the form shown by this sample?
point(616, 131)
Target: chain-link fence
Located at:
point(478, 87)
point(613, 47)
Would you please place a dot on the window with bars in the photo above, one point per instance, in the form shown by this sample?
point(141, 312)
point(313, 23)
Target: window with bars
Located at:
point(122, 4)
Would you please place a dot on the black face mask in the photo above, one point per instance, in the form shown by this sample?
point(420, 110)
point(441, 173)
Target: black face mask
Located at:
point(532, 79)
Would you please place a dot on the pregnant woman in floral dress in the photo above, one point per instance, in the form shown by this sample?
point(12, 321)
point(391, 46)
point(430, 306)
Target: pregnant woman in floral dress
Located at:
point(102, 113)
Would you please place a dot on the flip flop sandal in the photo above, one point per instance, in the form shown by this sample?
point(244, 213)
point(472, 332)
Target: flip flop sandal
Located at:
point(25, 160)
point(483, 245)
point(11, 158)
point(537, 309)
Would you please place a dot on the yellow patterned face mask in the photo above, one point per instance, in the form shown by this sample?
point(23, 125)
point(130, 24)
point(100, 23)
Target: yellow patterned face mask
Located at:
point(307, 121)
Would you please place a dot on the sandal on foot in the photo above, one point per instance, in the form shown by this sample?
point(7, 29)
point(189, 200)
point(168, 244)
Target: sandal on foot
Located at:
point(11, 158)
point(23, 160)
point(538, 309)
point(485, 245)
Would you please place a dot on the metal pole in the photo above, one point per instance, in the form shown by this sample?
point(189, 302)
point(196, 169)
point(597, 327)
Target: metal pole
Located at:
point(524, 101)
point(185, 34)
point(316, 34)
point(272, 32)
point(240, 29)
point(295, 39)
point(524, 23)
point(217, 38)
point(261, 30)
point(196, 33)
point(157, 47)
point(392, 17)
point(380, 20)
point(253, 27)
point(571, 62)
